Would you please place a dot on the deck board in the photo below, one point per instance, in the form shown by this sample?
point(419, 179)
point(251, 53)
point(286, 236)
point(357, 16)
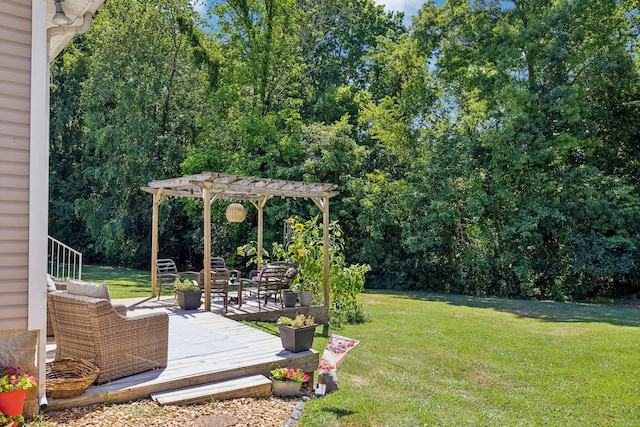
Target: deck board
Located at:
point(249, 386)
point(246, 351)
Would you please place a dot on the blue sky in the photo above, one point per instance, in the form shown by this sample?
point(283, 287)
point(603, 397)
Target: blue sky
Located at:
point(409, 7)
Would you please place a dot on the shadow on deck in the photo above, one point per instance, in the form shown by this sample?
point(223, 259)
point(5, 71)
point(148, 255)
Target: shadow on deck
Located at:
point(204, 347)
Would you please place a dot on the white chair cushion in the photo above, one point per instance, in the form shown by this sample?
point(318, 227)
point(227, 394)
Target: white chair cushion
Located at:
point(51, 285)
point(89, 289)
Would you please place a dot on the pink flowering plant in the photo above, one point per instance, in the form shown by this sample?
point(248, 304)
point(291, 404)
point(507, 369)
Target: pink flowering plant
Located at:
point(12, 378)
point(289, 374)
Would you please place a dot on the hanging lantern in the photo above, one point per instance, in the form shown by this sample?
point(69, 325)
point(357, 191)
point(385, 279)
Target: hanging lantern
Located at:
point(235, 212)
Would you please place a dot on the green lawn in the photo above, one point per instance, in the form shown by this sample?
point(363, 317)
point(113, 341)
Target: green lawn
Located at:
point(123, 282)
point(447, 360)
point(436, 360)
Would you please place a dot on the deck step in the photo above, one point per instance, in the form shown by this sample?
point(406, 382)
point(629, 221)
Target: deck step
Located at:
point(247, 386)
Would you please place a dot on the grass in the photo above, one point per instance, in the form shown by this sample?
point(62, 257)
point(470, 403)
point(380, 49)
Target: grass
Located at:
point(447, 360)
point(123, 282)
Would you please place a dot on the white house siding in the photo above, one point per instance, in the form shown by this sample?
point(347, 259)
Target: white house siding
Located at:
point(15, 111)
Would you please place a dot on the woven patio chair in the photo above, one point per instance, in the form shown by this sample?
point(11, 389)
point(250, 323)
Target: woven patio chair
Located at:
point(90, 328)
point(62, 286)
point(271, 281)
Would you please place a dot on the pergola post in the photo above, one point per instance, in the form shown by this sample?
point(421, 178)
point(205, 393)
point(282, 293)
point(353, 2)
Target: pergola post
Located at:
point(325, 254)
point(259, 205)
point(206, 201)
point(157, 199)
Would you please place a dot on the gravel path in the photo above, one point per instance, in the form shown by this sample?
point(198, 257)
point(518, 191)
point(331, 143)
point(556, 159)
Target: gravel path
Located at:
point(248, 412)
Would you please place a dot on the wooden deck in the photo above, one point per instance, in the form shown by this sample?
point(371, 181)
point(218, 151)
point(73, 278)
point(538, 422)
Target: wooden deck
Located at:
point(204, 347)
point(249, 310)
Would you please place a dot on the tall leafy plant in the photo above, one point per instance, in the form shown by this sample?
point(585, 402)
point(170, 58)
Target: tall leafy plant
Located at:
point(305, 248)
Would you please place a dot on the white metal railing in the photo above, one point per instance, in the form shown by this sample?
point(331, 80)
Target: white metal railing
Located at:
point(63, 262)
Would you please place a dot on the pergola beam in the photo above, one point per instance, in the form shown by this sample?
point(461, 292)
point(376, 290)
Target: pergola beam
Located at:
point(244, 187)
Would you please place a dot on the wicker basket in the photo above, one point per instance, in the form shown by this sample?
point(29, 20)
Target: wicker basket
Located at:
point(69, 377)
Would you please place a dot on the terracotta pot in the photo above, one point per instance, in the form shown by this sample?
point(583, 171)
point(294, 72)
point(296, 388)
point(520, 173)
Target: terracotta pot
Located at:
point(285, 388)
point(12, 402)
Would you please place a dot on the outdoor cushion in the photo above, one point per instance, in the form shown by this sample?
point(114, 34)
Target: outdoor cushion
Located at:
point(89, 289)
point(51, 285)
point(290, 273)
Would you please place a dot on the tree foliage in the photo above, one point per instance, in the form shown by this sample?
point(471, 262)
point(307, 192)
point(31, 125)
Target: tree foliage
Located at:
point(127, 122)
point(491, 148)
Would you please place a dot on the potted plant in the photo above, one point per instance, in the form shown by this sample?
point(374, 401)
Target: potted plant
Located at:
point(289, 297)
point(296, 333)
point(13, 390)
point(10, 420)
point(306, 293)
point(287, 381)
point(188, 294)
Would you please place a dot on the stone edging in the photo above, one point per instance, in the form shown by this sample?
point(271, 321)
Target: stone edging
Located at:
point(297, 413)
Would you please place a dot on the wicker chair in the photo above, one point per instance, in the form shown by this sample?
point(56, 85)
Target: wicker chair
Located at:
point(271, 281)
point(62, 286)
point(90, 328)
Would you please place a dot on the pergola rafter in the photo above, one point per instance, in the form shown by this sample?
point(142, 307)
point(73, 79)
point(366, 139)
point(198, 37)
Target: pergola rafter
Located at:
point(212, 186)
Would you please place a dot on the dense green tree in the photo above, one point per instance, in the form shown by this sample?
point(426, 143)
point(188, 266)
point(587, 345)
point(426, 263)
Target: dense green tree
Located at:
point(336, 40)
point(66, 153)
point(525, 90)
point(491, 148)
point(129, 124)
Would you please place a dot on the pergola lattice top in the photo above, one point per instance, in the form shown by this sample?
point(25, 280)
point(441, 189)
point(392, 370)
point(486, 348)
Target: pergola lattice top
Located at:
point(210, 186)
point(234, 187)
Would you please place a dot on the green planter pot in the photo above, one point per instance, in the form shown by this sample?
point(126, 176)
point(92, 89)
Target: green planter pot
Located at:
point(297, 339)
point(189, 300)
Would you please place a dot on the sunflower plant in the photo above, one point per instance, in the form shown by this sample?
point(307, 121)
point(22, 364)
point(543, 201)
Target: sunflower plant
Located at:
point(306, 248)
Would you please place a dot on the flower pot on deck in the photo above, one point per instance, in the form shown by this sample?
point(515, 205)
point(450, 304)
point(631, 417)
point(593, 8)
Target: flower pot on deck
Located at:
point(305, 298)
point(189, 300)
point(289, 298)
point(297, 339)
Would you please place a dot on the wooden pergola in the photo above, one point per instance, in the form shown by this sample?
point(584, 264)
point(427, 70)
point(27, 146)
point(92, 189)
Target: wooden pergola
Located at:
point(212, 186)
